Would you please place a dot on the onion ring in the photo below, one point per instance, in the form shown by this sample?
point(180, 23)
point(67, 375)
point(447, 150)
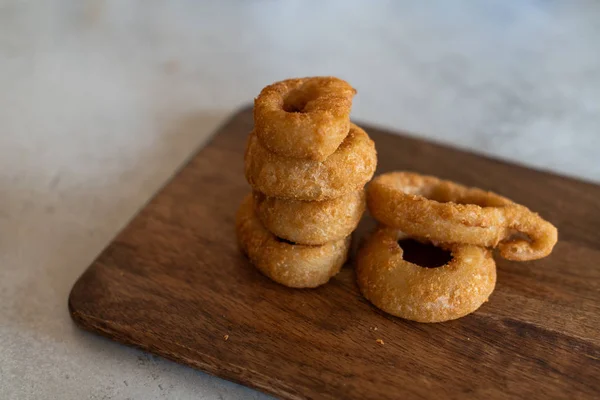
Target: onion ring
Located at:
point(410, 291)
point(347, 170)
point(311, 222)
point(447, 212)
point(292, 265)
point(304, 118)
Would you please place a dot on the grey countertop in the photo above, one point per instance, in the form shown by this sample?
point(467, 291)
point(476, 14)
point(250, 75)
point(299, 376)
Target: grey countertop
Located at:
point(100, 101)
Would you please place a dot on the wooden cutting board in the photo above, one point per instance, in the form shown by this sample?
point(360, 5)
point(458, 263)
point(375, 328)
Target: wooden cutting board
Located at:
point(174, 283)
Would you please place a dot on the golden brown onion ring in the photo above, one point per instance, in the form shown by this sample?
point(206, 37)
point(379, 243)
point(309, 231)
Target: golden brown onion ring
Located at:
point(304, 118)
point(293, 265)
point(447, 212)
point(347, 170)
point(311, 222)
point(421, 294)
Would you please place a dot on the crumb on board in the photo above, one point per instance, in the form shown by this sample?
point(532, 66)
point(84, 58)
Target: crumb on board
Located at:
point(380, 341)
point(226, 337)
point(373, 328)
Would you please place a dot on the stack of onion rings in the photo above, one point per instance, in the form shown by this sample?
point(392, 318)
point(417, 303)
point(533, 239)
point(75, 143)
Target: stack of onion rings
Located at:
point(307, 165)
point(468, 222)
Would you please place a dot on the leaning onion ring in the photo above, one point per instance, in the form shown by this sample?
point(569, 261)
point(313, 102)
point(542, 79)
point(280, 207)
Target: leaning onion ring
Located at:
point(447, 212)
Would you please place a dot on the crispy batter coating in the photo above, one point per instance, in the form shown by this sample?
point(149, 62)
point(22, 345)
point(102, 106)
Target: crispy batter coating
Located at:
point(293, 265)
point(311, 222)
point(410, 291)
point(304, 118)
point(347, 170)
point(447, 212)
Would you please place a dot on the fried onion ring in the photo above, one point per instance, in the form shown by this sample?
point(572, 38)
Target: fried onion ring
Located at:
point(311, 222)
point(447, 212)
point(347, 170)
point(304, 118)
point(292, 265)
point(421, 294)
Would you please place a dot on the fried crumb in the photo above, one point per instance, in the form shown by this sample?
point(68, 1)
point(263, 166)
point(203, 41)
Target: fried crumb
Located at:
point(226, 337)
point(380, 341)
point(373, 328)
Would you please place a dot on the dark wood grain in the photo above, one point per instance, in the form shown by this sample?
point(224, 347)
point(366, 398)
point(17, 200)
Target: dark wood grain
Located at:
point(174, 283)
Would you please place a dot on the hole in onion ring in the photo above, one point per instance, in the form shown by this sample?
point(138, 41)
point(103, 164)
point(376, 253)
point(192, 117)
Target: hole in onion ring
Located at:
point(282, 240)
point(424, 255)
point(515, 236)
point(291, 108)
point(295, 102)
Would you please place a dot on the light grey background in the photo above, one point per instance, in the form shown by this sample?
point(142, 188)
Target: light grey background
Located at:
point(100, 101)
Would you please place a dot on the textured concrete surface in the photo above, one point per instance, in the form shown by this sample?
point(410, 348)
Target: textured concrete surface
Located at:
point(100, 101)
